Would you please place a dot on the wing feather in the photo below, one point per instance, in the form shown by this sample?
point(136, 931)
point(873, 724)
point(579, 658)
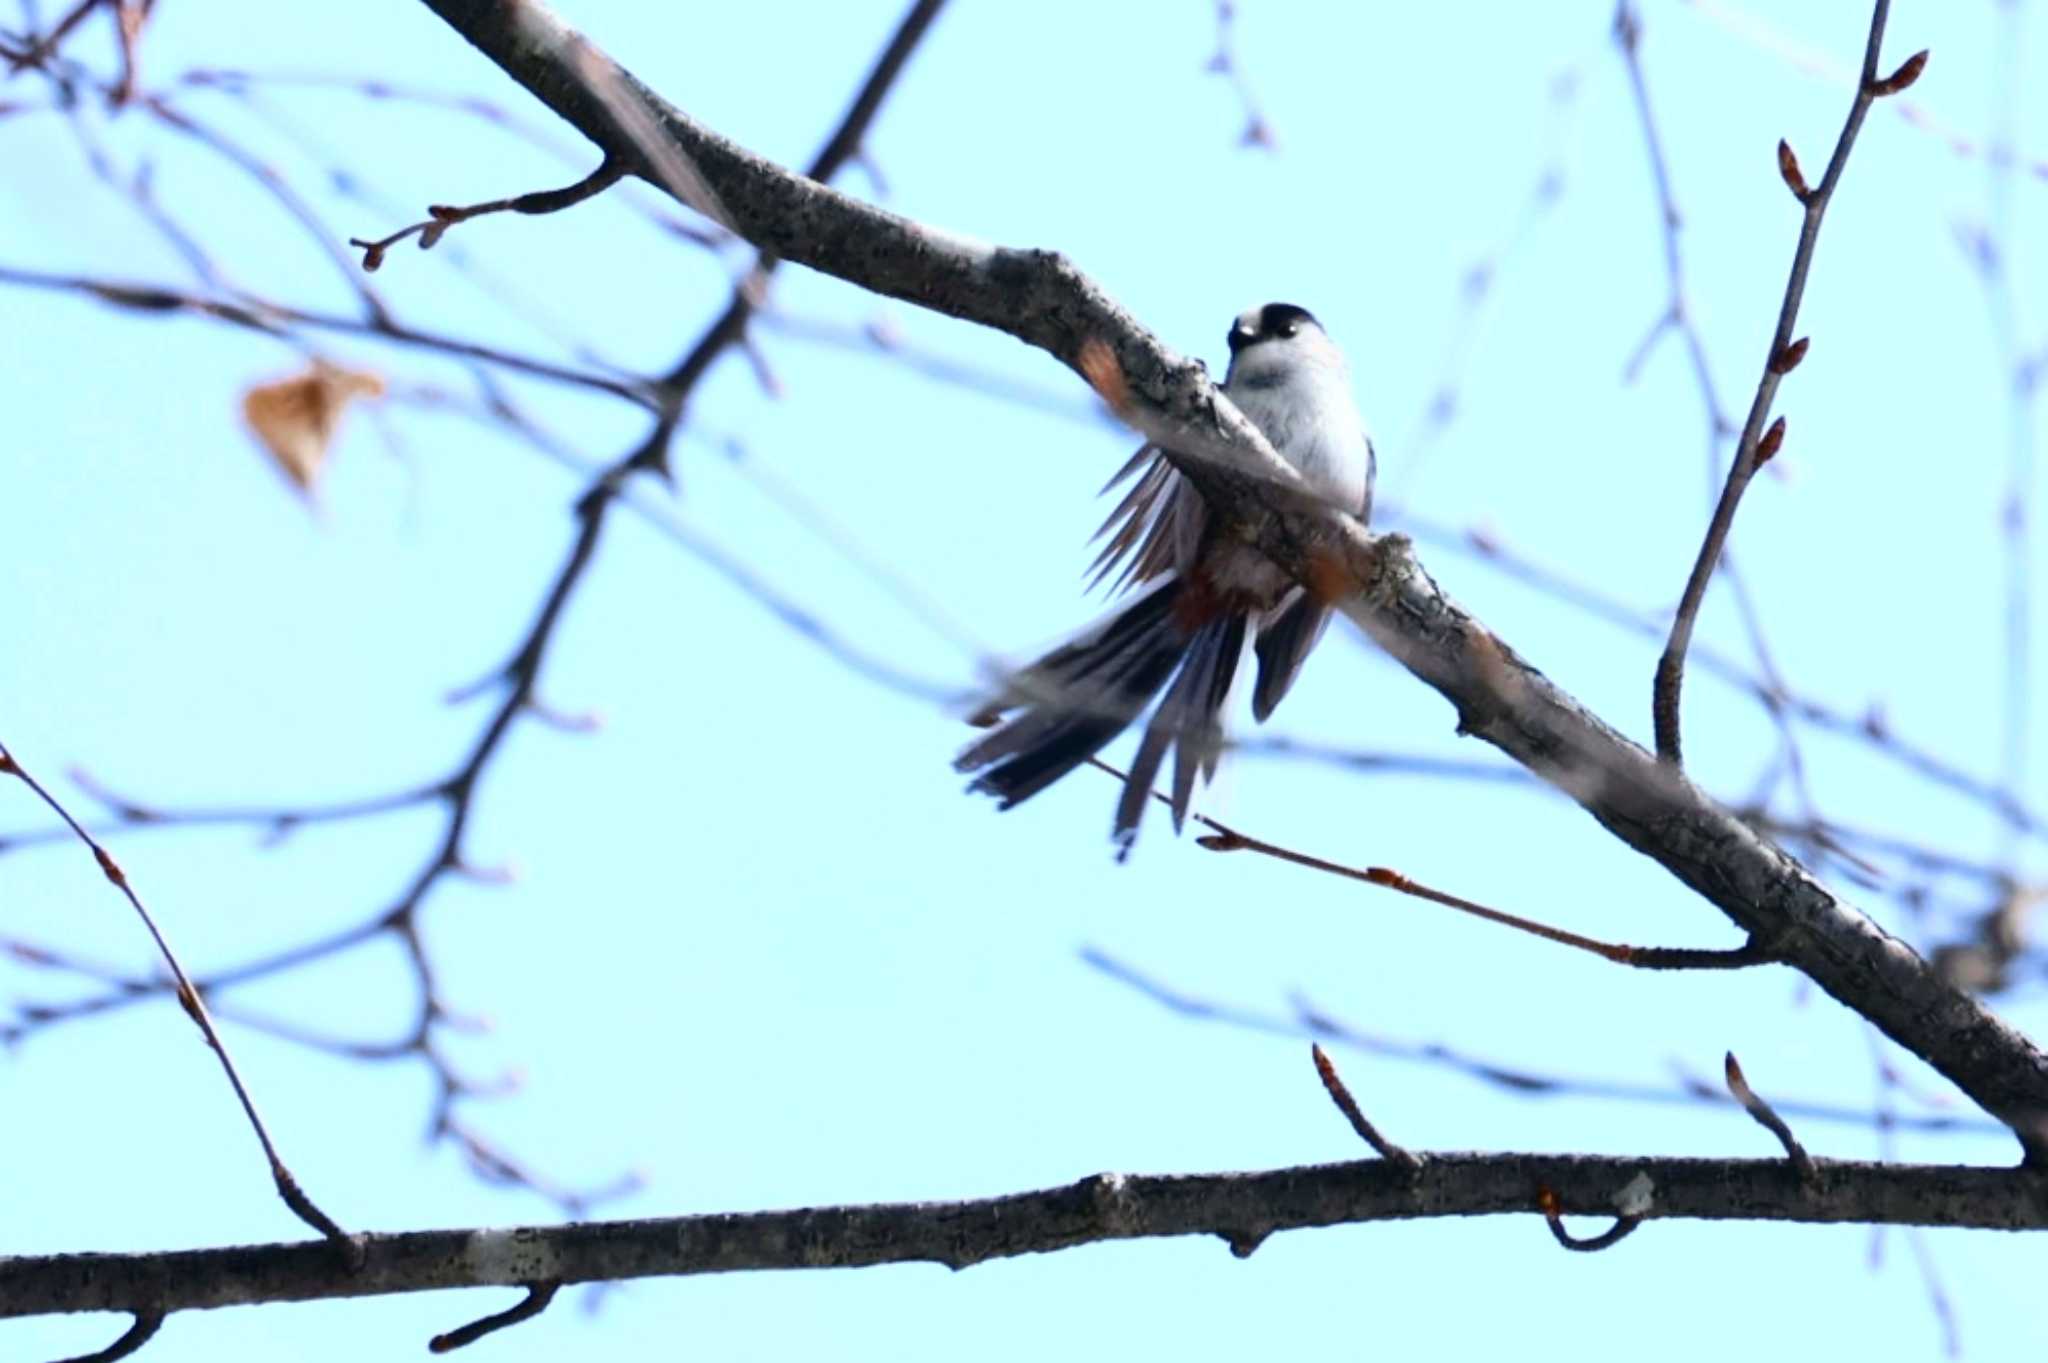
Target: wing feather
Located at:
point(1154, 529)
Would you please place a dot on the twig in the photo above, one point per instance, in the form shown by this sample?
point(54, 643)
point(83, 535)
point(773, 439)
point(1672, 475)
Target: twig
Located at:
point(1937, 1295)
point(41, 49)
point(139, 1332)
point(1346, 1104)
point(1756, 1107)
point(1224, 838)
point(441, 217)
point(194, 1005)
point(1477, 288)
point(1870, 727)
point(1306, 1019)
point(538, 1295)
point(274, 319)
point(1553, 1216)
point(278, 188)
point(1755, 445)
point(1226, 63)
point(1772, 690)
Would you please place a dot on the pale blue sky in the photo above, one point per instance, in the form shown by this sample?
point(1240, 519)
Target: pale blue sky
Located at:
point(761, 947)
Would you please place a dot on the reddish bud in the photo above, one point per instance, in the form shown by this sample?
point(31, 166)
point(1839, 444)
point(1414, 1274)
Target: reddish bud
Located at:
point(1908, 72)
point(1788, 166)
point(110, 867)
point(1768, 446)
point(1787, 360)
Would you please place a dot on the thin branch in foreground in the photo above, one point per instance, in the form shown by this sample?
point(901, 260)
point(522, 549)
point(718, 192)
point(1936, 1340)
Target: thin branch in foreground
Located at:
point(1346, 1104)
point(194, 1005)
point(1224, 838)
point(1753, 1103)
point(441, 217)
point(1670, 676)
point(538, 1296)
point(1237, 1208)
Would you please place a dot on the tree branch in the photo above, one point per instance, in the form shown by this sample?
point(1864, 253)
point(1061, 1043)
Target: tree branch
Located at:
point(1756, 444)
point(1241, 1208)
point(194, 1004)
point(1042, 299)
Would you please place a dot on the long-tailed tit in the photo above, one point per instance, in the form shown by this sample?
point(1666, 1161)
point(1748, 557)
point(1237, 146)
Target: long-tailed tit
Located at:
point(1206, 594)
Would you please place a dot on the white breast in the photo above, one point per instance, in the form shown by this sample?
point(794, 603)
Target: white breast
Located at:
point(1308, 414)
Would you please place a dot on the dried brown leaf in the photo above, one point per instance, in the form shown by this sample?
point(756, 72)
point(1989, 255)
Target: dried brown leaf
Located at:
point(295, 419)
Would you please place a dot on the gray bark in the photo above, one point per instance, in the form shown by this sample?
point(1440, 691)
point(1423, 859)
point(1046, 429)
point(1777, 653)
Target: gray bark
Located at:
point(1241, 1209)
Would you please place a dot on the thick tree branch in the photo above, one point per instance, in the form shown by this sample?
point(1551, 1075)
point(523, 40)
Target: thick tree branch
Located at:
point(1042, 299)
point(1242, 1209)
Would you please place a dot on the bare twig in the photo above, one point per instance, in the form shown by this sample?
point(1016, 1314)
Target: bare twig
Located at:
point(1224, 838)
point(441, 217)
point(1307, 1019)
point(139, 1332)
point(277, 320)
point(1227, 64)
point(194, 1005)
point(1756, 1107)
point(1553, 1216)
point(1869, 727)
point(1678, 319)
point(1777, 361)
point(1937, 1295)
point(538, 1295)
point(1346, 1104)
point(42, 48)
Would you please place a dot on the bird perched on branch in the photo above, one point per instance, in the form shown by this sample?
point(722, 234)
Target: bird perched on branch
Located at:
point(1203, 596)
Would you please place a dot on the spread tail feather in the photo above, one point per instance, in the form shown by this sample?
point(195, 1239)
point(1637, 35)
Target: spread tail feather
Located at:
point(1283, 647)
point(1189, 721)
point(1081, 695)
point(1077, 698)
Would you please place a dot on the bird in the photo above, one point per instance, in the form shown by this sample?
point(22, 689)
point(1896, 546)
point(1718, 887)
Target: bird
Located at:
point(1202, 597)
